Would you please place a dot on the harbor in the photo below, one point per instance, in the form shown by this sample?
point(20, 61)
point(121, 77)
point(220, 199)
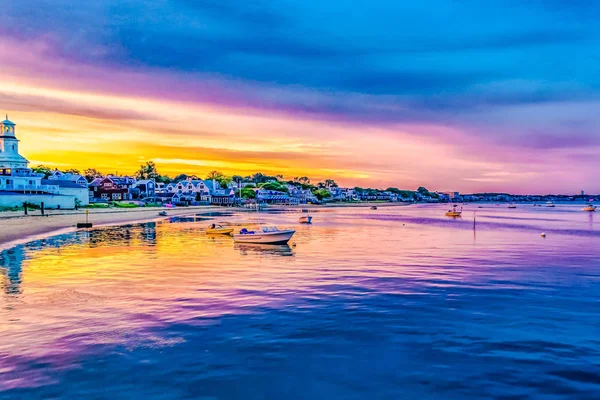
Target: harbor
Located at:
point(392, 289)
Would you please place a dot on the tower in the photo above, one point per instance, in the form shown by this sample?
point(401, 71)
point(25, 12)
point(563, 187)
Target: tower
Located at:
point(9, 147)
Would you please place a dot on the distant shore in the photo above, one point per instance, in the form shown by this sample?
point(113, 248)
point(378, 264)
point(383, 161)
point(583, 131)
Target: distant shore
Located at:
point(17, 228)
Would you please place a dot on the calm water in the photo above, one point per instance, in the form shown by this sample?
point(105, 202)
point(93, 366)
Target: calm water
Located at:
point(398, 303)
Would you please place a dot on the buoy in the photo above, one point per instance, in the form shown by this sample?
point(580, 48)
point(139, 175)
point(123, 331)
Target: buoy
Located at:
point(543, 234)
point(294, 244)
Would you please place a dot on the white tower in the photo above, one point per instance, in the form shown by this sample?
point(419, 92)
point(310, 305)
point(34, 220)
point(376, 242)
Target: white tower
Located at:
point(9, 147)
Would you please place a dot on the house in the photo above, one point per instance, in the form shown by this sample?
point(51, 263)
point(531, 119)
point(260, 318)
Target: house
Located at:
point(70, 188)
point(147, 187)
point(62, 176)
point(111, 188)
point(18, 183)
point(275, 197)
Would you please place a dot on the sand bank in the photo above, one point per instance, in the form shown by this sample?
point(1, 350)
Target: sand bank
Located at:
point(16, 228)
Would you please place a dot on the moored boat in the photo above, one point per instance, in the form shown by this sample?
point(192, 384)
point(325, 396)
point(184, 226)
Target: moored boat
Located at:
point(219, 230)
point(454, 212)
point(305, 219)
point(550, 204)
point(265, 235)
point(373, 207)
point(589, 208)
point(162, 213)
point(511, 205)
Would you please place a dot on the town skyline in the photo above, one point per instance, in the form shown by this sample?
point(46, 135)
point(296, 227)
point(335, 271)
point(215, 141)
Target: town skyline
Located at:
point(502, 102)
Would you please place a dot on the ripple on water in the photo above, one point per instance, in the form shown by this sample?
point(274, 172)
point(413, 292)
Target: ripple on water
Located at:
point(395, 303)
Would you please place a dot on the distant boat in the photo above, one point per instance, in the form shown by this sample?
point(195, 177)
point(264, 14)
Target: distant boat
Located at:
point(162, 213)
point(305, 219)
point(454, 212)
point(218, 230)
point(512, 206)
point(589, 208)
point(266, 235)
point(550, 204)
point(373, 207)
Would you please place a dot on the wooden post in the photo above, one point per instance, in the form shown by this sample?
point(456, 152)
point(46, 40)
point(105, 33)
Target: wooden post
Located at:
point(42, 207)
point(25, 208)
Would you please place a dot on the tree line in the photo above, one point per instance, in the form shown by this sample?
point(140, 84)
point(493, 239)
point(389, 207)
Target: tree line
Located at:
point(320, 190)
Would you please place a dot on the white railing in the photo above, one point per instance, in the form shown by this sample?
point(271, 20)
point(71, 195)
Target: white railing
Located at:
point(27, 188)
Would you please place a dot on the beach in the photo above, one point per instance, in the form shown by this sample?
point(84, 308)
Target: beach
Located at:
point(18, 228)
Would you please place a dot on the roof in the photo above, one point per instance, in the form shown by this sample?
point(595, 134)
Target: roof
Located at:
point(96, 182)
point(64, 184)
point(7, 122)
point(145, 182)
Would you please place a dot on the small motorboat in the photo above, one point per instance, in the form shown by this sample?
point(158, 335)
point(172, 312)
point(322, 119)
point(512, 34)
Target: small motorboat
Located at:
point(265, 235)
point(454, 212)
point(219, 230)
point(550, 204)
point(162, 213)
point(305, 219)
point(511, 205)
point(373, 207)
point(589, 208)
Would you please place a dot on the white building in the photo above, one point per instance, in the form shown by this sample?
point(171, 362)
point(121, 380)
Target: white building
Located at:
point(18, 183)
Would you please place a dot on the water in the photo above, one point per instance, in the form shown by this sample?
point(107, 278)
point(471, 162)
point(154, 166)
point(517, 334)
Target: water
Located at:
point(396, 303)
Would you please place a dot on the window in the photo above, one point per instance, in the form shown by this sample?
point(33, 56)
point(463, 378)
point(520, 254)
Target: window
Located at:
point(104, 196)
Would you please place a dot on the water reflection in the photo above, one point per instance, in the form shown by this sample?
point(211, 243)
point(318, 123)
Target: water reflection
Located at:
point(402, 298)
point(11, 261)
point(282, 250)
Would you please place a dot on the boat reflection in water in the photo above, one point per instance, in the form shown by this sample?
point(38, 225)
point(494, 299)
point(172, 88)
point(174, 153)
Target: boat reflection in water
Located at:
point(283, 250)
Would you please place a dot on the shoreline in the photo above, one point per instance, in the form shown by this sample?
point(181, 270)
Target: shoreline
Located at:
point(18, 229)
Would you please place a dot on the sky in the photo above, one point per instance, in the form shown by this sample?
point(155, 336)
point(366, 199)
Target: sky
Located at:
point(454, 95)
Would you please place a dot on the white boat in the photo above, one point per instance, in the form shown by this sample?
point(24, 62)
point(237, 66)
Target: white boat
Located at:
point(550, 204)
point(511, 205)
point(265, 235)
point(589, 208)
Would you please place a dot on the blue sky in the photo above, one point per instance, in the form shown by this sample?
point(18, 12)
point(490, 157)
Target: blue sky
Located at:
point(517, 74)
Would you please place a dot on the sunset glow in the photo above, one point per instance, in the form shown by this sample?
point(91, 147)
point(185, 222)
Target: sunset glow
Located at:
point(368, 99)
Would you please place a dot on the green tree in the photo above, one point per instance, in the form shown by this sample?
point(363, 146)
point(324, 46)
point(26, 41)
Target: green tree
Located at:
point(164, 179)
point(330, 183)
point(42, 169)
point(180, 177)
point(248, 192)
point(216, 175)
point(280, 187)
point(91, 173)
point(72, 171)
point(224, 181)
point(147, 171)
point(322, 194)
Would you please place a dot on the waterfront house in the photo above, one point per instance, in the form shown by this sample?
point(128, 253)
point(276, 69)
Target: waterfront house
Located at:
point(18, 183)
point(146, 187)
point(111, 188)
point(275, 197)
point(62, 176)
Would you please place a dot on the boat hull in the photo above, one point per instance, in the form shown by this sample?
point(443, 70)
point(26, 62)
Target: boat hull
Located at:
point(589, 209)
point(219, 231)
point(453, 214)
point(305, 220)
point(279, 237)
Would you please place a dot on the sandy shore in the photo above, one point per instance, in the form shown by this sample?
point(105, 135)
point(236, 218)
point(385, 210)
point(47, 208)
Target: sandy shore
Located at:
point(16, 228)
